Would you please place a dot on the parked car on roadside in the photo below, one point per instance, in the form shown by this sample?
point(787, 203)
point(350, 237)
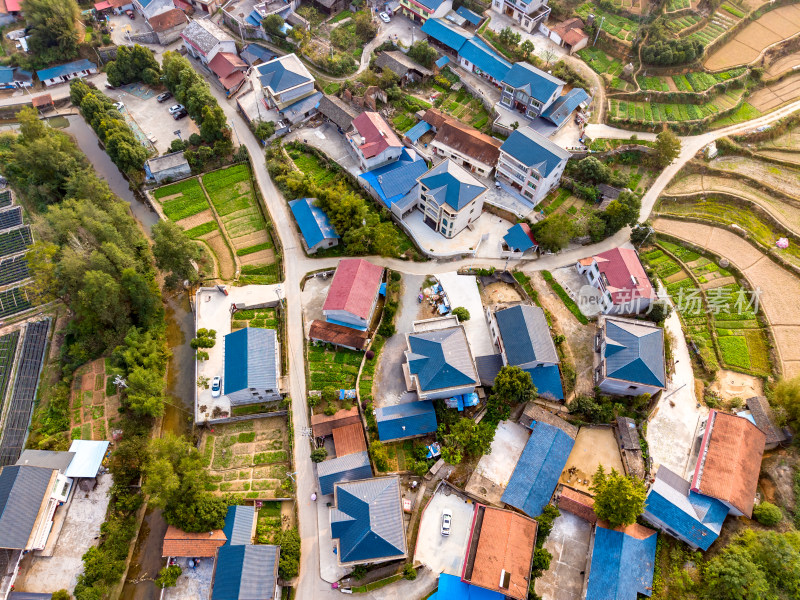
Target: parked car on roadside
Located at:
point(216, 387)
point(384, 17)
point(119, 106)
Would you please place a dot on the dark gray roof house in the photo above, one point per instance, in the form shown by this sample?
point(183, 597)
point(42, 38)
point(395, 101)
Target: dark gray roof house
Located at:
point(534, 413)
point(337, 111)
point(402, 66)
point(350, 467)
point(49, 459)
point(171, 166)
point(22, 492)
point(761, 413)
point(440, 360)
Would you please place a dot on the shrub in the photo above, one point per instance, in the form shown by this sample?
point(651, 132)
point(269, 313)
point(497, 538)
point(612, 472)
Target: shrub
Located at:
point(767, 514)
point(168, 576)
point(379, 455)
point(462, 313)
point(409, 572)
point(318, 455)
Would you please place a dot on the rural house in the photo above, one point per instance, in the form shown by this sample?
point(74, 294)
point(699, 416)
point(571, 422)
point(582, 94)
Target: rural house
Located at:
point(529, 90)
point(407, 70)
point(467, 147)
point(252, 366)
point(629, 357)
point(406, 420)
point(373, 142)
point(315, 228)
point(622, 563)
point(450, 198)
point(420, 11)
point(621, 279)
point(66, 72)
point(353, 294)
point(169, 167)
point(203, 39)
point(527, 13)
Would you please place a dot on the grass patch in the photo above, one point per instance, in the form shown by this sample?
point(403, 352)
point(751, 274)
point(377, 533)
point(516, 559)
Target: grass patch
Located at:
point(191, 201)
point(734, 351)
point(376, 585)
point(253, 249)
point(201, 230)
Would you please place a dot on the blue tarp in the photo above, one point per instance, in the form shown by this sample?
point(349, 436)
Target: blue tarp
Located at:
point(452, 588)
point(442, 61)
point(382, 289)
point(417, 131)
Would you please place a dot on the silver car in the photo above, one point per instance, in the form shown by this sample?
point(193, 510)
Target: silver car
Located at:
point(447, 519)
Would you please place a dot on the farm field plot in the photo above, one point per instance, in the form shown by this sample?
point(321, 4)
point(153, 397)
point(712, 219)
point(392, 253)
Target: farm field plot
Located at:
point(232, 194)
point(745, 47)
point(600, 62)
point(783, 64)
point(335, 369)
point(16, 300)
point(673, 5)
point(777, 94)
point(658, 112)
point(464, 107)
point(719, 23)
point(94, 401)
point(700, 81)
point(785, 213)
point(677, 24)
point(13, 270)
point(787, 141)
point(250, 459)
point(182, 199)
point(782, 178)
point(265, 318)
point(615, 25)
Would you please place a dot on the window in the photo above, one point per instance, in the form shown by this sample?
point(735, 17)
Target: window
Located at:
point(529, 194)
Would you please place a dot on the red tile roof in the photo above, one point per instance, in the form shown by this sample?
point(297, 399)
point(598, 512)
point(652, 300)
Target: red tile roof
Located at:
point(179, 543)
point(730, 460)
point(13, 6)
point(570, 31)
point(470, 142)
point(620, 266)
point(354, 286)
point(578, 503)
point(167, 20)
point(349, 439)
point(506, 543)
point(377, 134)
point(43, 100)
point(225, 63)
point(337, 334)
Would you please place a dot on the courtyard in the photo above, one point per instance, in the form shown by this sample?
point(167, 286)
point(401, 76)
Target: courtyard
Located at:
point(444, 553)
point(483, 238)
point(593, 447)
point(568, 542)
point(489, 479)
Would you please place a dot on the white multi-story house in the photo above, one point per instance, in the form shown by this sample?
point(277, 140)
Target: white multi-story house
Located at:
point(528, 90)
point(527, 13)
point(284, 80)
point(373, 142)
point(420, 11)
point(530, 165)
point(623, 283)
point(449, 198)
point(203, 39)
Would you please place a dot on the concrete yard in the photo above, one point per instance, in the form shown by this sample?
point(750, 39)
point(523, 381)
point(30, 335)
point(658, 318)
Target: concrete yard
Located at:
point(444, 554)
point(568, 542)
point(576, 285)
point(491, 476)
point(213, 311)
point(81, 530)
point(313, 296)
point(326, 138)
point(462, 290)
point(469, 240)
point(594, 446)
point(194, 583)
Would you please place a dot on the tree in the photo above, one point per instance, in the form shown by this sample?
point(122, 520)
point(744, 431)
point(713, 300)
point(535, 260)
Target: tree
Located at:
point(659, 311)
point(365, 28)
point(61, 595)
point(734, 576)
point(264, 129)
point(554, 232)
point(289, 562)
point(541, 562)
point(511, 387)
point(205, 338)
point(273, 24)
point(133, 64)
point(462, 313)
point(509, 37)
point(175, 479)
point(175, 253)
point(409, 572)
point(545, 523)
point(621, 212)
point(640, 233)
point(548, 55)
point(318, 455)
point(379, 455)
point(202, 382)
point(787, 396)
point(53, 32)
point(526, 47)
point(667, 148)
point(168, 576)
point(466, 438)
point(767, 514)
point(423, 53)
point(591, 170)
point(619, 499)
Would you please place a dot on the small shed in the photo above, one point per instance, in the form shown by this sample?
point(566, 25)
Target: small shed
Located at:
point(169, 167)
point(407, 420)
point(88, 458)
point(519, 238)
point(351, 467)
point(315, 227)
point(240, 525)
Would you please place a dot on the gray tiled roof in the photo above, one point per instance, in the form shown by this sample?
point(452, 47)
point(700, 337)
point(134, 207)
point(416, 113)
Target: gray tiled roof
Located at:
point(48, 459)
point(22, 490)
point(441, 359)
point(628, 435)
point(205, 34)
point(526, 335)
point(634, 352)
point(350, 467)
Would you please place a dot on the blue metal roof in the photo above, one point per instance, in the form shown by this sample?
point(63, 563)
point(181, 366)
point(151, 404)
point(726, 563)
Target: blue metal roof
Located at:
point(526, 335)
point(452, 588)
point(246, 572)
point(431, 5)
point(517, 239)
point(450, 36)
point(547, 380)
point(622, 566)
point(253, 52)
point(442, 61)
point(250, 360)
point(67, 69)
point(634, 352)
point(238, 527)
point(6, 75)
point(441, 359)
point(417, 131)
point(446, 183)
point(532, 149)
point(534, 82)
point(463, 11)
point(368, 520)
point(312, 221)
point(487, 60)
point(405, 420)
point(350, 467)
point(560, 110)
point(254, 18)
point(393, 181)
point(536, 475)
point(278, 77)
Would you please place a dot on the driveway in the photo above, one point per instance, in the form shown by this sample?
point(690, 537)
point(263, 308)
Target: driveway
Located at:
point(462, 290)
point(440, 553)
point(389, 384)
point(313, 297)
point(568, 542)
point(673, 423)
point(491, 476)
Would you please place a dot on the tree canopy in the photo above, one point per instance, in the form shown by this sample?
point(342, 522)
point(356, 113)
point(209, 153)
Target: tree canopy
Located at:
point(667, 148)
point(511, 387)
point(787, 397)
point(175, 254)
point(554, 232)
point(133, 64)
point(465, 438)
point(423, 53)
point(619, 499)
point(53, 32)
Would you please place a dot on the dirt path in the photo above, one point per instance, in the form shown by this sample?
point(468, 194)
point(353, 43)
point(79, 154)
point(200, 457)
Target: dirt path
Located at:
point(779, 289)
point(580, 338)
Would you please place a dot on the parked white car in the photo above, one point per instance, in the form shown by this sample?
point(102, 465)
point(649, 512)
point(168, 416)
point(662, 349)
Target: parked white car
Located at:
point(119, 106)
point(175, 108)
point(384, 17)
point(216, 387)
point(447, 520)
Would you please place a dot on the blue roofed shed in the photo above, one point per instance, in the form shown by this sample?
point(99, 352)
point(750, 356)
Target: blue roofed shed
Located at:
point(405, 420)
point(417, 131)
point(368, 521)
point(547, 380)
point(539, 466)
point(302, 109)
point(255, 54)
point(693, 518)
point(252, 363)
point(452, 588)
point(393, 182)
point(447, 35)
point(560, 110)
point(622, 564)
point(520, 238)
point(240, 521)
point(314, 225)
point(69, 70)
point(471, 17)
point(246, 572)
point(350, 467)
point(442, 61)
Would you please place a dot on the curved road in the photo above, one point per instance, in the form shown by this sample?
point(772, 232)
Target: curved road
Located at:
point(297, 264)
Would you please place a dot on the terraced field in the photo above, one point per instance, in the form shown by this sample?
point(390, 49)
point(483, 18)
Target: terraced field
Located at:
point(657, 112)
point(616, 26)
point(679, 24)
point(716, 26)
point(782, 178)
point(607, 66)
